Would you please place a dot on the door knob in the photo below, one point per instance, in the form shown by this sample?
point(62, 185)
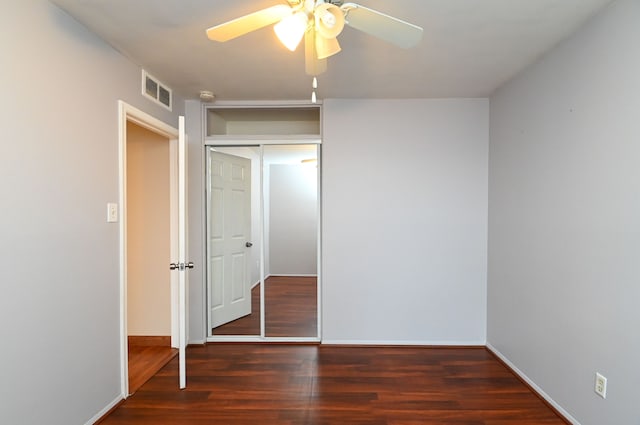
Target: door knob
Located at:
point(248, 244)
point(181, 266)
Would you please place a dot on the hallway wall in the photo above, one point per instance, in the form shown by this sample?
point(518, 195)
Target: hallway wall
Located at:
point(148, 233)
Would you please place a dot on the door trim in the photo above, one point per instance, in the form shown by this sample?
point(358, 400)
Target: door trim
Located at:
point(128, 113)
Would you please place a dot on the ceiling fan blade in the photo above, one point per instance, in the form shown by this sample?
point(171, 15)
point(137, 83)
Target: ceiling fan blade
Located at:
point(326, 47)
point(385, 27)
point(313, 65)
point(247, 23)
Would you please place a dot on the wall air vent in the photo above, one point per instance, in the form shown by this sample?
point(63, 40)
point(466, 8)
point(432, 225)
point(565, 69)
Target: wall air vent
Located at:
point(156, 91)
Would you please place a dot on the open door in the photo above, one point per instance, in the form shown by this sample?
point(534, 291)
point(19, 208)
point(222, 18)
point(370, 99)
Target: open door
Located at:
point(229, 237)
point(182, 265)
point(178, 167)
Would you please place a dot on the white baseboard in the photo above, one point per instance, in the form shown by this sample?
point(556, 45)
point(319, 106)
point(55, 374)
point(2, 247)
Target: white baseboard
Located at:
point(404, 343)
point(533, 385)
point(291, 275)
point(104, 411)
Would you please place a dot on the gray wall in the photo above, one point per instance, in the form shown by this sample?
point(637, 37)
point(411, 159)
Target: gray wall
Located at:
point(404, 199)
point(60, 302)
point(564, 219)
point(404, 202)
point(293, 219)
point(148, 233)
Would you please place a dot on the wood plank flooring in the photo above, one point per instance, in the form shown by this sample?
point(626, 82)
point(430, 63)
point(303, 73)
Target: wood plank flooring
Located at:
point(317, 385)
point(147, 355)
point(291, 309)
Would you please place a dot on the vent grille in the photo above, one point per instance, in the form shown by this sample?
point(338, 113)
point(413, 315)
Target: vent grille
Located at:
point(157, 91)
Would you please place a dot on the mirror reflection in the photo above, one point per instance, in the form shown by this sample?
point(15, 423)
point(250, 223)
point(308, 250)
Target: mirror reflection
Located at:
point(246, 274)
point(291, 240)
point(233, 240)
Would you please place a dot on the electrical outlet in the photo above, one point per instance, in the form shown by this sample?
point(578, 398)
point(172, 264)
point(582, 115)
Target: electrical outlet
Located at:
point(601, 385)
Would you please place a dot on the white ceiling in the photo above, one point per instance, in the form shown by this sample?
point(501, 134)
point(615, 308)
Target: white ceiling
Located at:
point(470, 47)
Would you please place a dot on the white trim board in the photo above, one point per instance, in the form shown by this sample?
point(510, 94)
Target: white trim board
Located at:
point(104, 411)
point(244, 140)
point(290, 275)
point(479, 344)
point(267, 339)
point(533, 385)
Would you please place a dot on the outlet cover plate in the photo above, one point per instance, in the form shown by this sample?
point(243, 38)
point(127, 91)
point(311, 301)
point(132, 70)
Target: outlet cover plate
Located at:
point(601, 385)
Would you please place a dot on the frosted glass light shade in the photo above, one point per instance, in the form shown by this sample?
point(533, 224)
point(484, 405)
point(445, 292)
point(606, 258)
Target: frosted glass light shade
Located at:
point(291, 29)
point(326, 47)
point(329, 20)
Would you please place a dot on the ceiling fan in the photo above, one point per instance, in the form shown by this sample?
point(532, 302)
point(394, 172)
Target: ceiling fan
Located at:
point(319, 22)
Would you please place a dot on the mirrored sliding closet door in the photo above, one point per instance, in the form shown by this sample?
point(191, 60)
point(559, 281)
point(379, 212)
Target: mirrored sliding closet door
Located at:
point(263, 212)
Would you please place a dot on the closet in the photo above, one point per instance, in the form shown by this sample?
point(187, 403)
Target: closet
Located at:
point(262, 201)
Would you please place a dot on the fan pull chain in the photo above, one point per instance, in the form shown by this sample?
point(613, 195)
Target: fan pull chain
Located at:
point(314, 85)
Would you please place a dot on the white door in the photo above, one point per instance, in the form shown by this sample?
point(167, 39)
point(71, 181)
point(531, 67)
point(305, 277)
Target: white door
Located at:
point(181, 266)
point(228, 237)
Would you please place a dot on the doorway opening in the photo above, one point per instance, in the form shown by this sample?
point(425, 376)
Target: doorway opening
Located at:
point(148, 218)
point(148, 237)
point(263, 244)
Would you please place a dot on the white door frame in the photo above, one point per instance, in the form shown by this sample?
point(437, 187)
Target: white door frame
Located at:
point(128, 113)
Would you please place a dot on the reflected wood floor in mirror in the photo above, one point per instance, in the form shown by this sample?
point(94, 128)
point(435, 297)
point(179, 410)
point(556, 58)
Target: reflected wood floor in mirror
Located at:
point(291, 309)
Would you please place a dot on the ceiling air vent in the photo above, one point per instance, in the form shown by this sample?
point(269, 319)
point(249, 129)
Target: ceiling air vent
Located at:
point(155, 90)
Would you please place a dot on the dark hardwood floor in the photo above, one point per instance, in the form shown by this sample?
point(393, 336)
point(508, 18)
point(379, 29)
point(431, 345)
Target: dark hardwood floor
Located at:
point(147, 355)
point(315, 385)
point(291, 309)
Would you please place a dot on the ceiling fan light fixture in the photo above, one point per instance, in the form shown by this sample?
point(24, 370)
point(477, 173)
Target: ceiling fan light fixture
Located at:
point(319, 22)
point(329, 20)
point(291, 29)
point(313, 66)
point(326, 47)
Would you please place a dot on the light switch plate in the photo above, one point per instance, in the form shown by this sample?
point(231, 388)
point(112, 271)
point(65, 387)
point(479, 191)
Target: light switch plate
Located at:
point(112, 212)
